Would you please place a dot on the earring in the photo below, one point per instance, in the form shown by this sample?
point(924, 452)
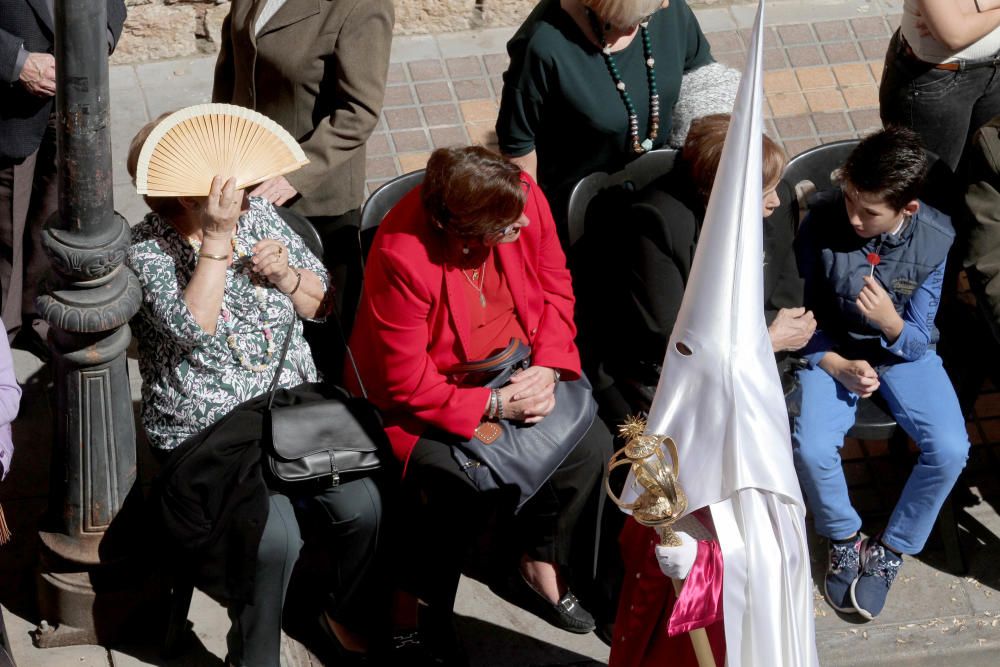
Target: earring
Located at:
point(465, 250)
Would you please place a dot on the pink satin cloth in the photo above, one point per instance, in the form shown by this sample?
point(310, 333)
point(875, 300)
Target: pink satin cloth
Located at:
point(652, 623)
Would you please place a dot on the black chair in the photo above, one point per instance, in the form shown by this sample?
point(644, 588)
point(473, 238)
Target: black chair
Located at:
point(873, 421)
point(380, 202)
point(301, 226)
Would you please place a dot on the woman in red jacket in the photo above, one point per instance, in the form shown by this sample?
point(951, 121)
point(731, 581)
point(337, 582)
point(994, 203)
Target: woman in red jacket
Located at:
point(460, 266)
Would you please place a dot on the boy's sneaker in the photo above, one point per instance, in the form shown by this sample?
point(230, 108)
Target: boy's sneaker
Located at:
point(879, 567)
point(842, 569)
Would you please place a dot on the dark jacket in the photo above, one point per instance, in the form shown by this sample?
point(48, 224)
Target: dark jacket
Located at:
point(982, 256)
point(833, 260)
point(23, 116)
point(212, 502)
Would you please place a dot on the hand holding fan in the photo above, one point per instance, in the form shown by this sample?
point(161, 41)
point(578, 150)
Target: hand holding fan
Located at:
point(191, 146)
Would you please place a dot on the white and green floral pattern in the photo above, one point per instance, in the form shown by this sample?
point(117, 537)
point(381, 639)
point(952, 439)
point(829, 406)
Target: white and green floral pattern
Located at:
point(191, 378)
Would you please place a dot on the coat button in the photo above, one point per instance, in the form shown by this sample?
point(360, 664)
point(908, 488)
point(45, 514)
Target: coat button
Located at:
point(534, 331)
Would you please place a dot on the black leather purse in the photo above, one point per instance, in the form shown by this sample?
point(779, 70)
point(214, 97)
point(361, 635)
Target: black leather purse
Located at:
point(506, 453)
point(319, 433)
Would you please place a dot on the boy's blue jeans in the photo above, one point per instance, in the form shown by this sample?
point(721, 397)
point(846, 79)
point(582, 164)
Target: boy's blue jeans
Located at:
point(922, 400)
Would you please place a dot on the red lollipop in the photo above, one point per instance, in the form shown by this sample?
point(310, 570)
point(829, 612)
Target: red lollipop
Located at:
point(873, 258)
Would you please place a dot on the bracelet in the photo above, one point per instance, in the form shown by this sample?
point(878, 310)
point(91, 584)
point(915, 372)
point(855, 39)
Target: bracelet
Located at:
point(208, 255)
point(492, 410)
point(556, 375)
point(298, 281)
point(499, 405)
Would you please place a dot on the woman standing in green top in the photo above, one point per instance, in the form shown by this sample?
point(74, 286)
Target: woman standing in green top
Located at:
point(591, 86)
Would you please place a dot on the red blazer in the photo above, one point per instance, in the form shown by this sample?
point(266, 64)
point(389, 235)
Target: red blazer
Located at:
point(413, 321)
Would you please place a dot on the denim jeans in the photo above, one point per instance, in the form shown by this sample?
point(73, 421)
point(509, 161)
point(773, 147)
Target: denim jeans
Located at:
point(921, 399)
point(944, 107)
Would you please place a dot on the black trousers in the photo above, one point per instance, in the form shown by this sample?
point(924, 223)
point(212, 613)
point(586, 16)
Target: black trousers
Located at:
point(443, 516)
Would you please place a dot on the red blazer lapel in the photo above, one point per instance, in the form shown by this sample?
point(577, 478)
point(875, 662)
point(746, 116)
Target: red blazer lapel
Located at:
point(458, 307)
point(512, 261)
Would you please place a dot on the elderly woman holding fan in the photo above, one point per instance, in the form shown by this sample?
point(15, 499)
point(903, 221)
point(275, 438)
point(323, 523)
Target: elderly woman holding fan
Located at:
point(224, 282)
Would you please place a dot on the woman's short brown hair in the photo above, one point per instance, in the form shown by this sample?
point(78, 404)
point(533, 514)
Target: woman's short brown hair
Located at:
point(166, 207)
point(623, 12)
point(703, 150)
point(472, 191)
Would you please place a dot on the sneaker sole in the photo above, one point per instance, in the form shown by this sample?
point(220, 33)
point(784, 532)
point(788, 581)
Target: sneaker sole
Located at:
point(842, 610)
point(854, 600)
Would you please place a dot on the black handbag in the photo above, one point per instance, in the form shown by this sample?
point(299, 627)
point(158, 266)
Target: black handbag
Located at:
point(513, 454)
point(319, 433)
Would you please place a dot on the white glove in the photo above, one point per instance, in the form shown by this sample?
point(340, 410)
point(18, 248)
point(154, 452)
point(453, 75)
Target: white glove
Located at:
point(676, 562)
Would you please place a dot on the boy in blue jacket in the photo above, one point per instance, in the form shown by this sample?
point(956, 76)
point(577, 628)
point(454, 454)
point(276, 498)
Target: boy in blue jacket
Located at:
point(873, 258)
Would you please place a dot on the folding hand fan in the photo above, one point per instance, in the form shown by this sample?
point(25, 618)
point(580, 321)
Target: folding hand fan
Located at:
point(191, 146)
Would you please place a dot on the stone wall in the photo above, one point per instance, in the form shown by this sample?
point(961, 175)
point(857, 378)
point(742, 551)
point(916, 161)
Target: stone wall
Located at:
point(163, 29)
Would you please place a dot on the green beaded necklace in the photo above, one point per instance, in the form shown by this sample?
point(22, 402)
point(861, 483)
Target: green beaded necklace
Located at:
point(654, 96)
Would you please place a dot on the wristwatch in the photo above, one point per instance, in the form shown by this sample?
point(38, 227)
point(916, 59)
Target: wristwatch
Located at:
point(556, 374)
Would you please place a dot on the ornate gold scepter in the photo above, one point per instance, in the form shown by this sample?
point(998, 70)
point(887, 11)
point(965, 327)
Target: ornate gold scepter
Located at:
point(661, 502)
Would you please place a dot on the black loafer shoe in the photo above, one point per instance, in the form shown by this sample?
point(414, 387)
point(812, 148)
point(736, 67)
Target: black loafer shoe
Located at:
point(334, 651)
point(567, 614)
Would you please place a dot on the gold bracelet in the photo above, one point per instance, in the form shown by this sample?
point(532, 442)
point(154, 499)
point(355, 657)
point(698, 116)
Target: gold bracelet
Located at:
point(208, 255)
point(298, 281)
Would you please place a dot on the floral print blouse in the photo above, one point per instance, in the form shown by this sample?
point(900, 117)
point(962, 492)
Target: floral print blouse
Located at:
point(191, 378)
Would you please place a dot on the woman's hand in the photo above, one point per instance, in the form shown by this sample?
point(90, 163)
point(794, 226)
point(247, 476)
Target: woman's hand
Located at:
point(791, 329)
point(276, 190)
point(530, 396)
point(270, 259)
point(221, 211)
point(876, 304)
point(857, 375)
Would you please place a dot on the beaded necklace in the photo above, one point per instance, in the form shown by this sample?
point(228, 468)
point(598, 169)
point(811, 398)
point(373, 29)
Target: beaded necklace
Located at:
point(227, 317)
point(654, 96)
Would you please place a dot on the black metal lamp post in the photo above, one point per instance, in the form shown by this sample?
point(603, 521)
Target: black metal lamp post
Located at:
point(81, 590)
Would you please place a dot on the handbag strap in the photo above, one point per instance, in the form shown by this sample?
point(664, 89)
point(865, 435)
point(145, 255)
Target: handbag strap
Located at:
point(272, 390)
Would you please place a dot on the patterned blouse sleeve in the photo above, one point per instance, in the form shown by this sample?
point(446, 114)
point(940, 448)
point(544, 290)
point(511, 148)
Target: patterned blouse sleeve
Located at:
point(163, 296)
point(299, 256)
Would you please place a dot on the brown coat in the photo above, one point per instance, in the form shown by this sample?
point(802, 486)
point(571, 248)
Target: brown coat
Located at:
point(318, 69)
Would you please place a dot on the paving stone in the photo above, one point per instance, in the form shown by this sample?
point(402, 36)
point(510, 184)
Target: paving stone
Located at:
point(472, 89)
point(477, 111)
point(496, 63)
point(852, 74)
point(799, 33)
point(441, 114)
point(410, 140)
point(874, 48)
point(869, 26)
point(876, 67)
point(827, 99)
point(787, 104)
point(434, 91)
point(815, 77)
point(413, 161)
point(449, 136)
point(738, 60)
point(842, 52)
point(830, 123)
point(396, 96)
point(397, 73)
point(496, 82)
point(804, 56)
point(464, 67)
point(858, 97)
point(792, 127)
point(373, 185)
point(829, 31)
point(380, 167)
point(770, 37)
point(482, 133)
point(773, 59)
point(402, 119)
point(795, 146)
point(725, 41)
point(425, 70)
point(780, 81)
point(377, 144)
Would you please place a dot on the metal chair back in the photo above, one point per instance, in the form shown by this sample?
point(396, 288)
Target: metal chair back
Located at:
point(379, 203)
